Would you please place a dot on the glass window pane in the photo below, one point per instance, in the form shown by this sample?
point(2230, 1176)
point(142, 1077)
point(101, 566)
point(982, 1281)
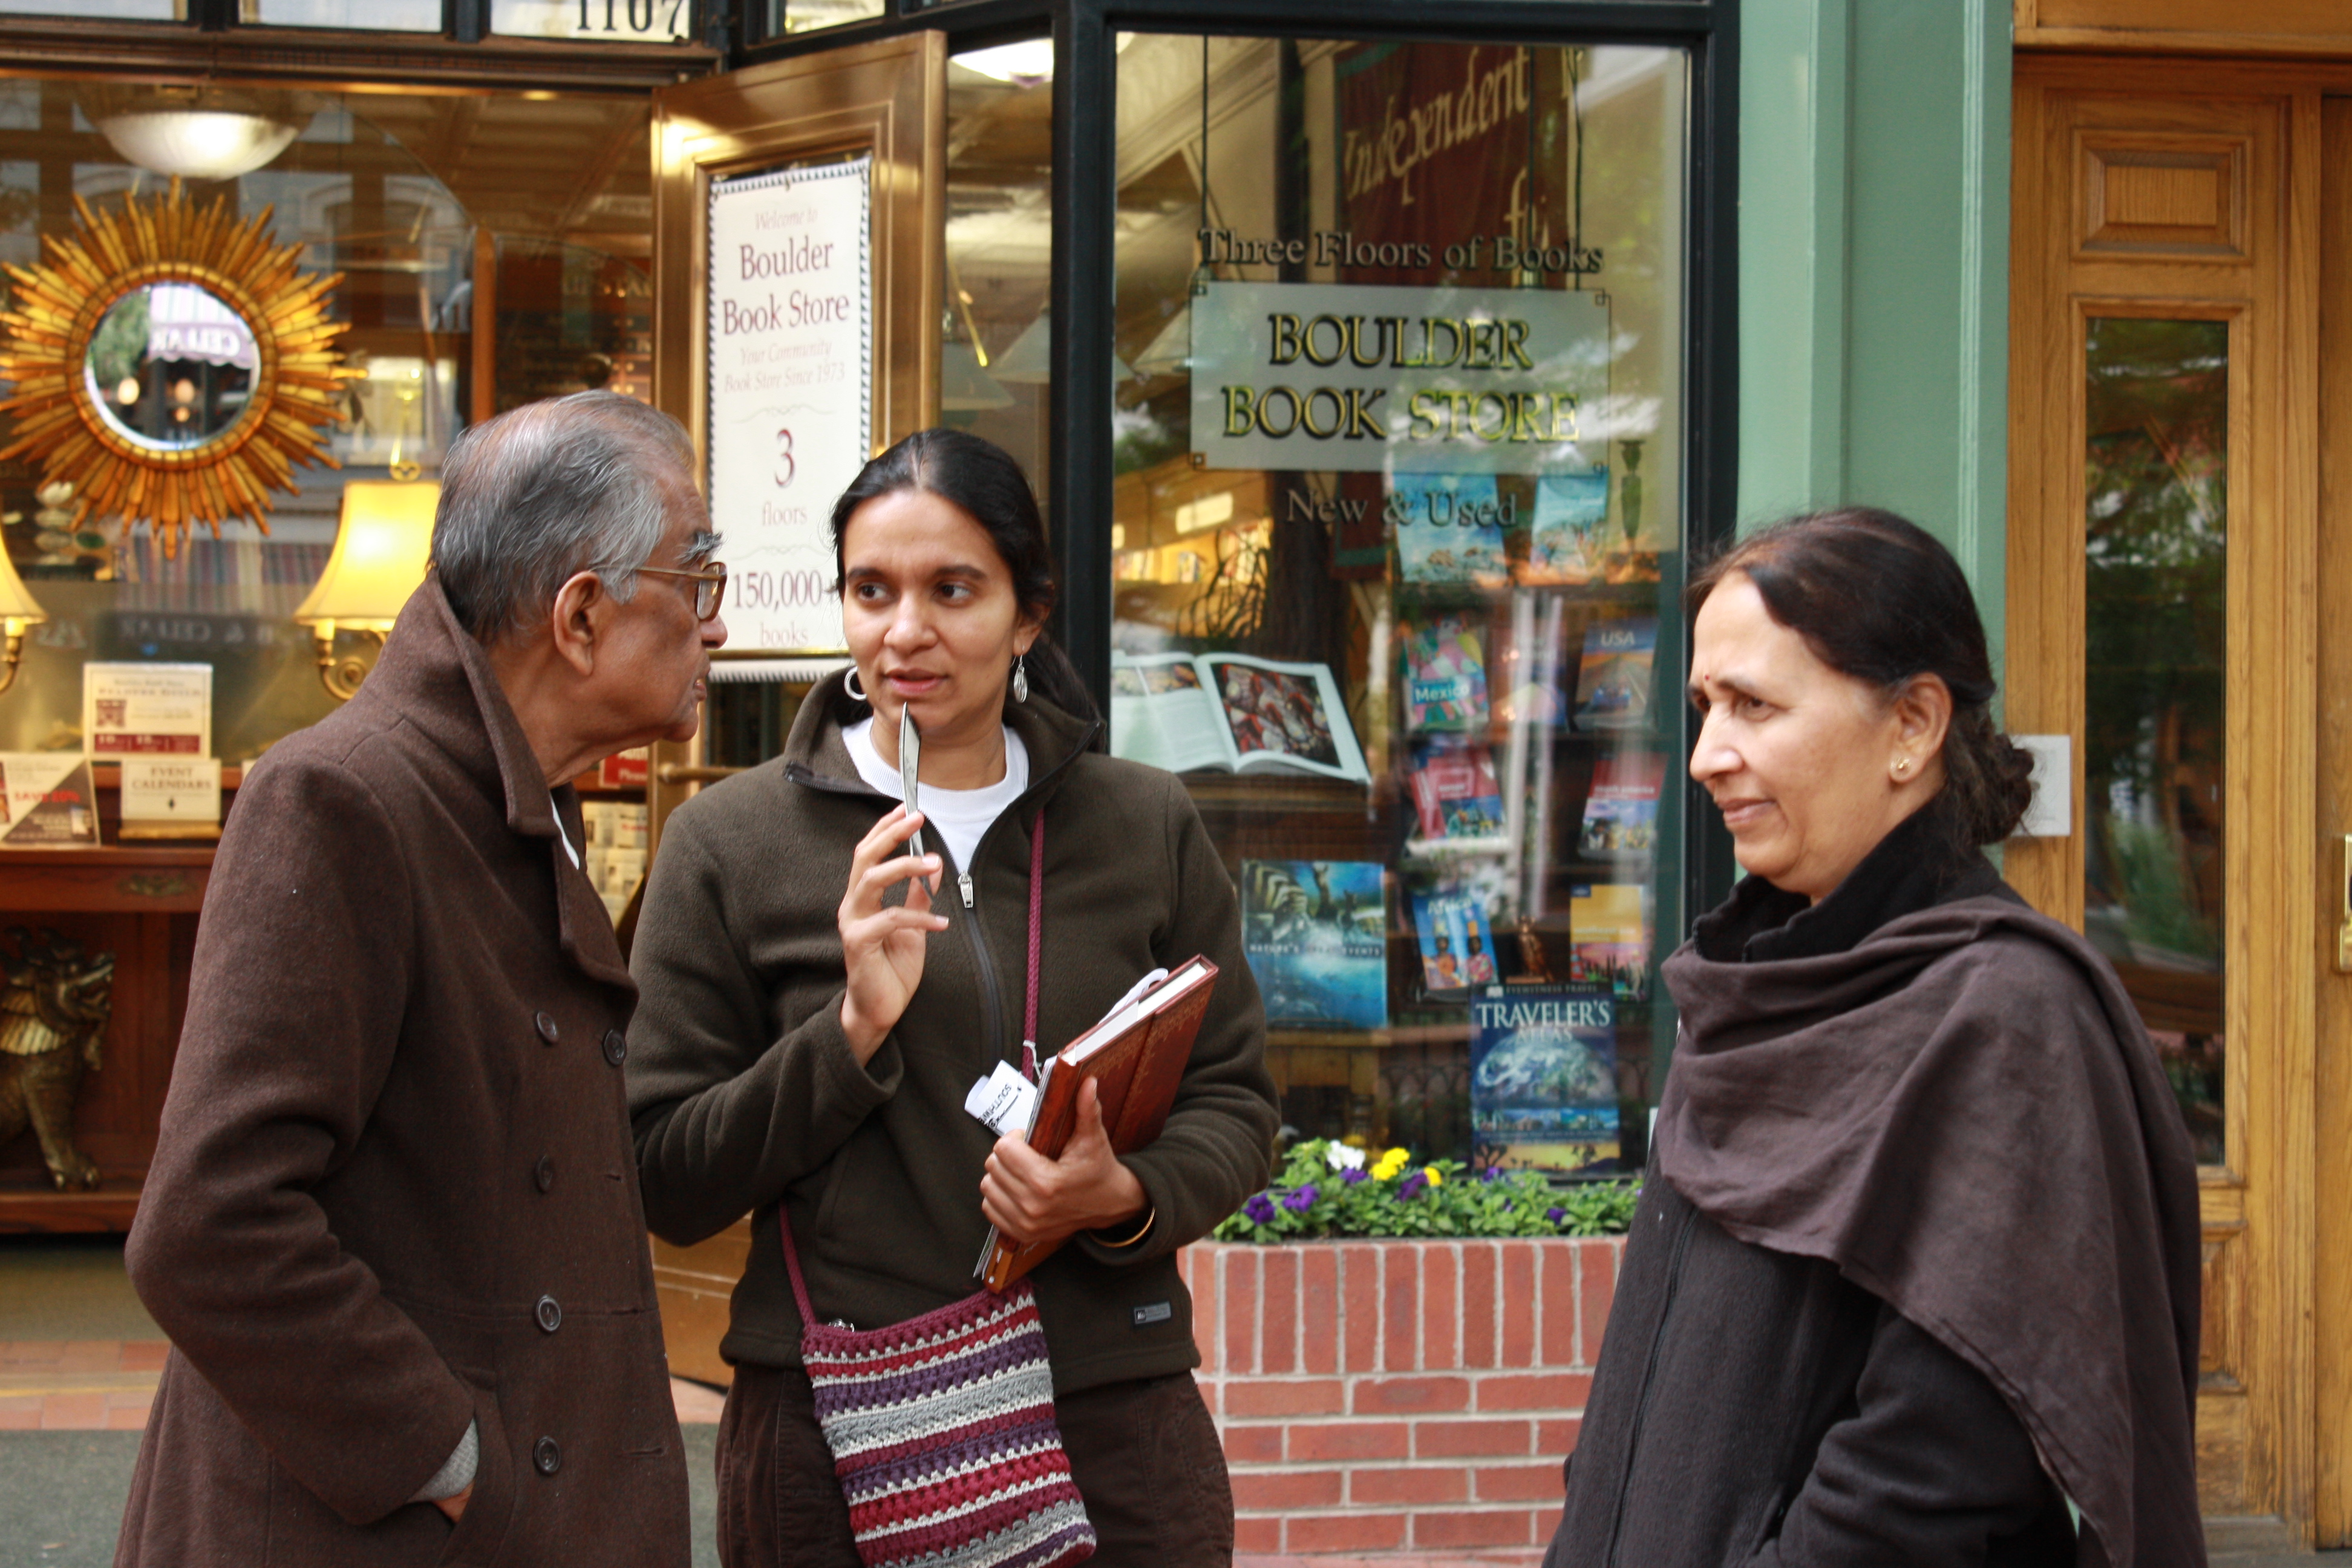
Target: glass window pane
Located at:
point(1397, 551)
point(2156, 482)
point(376, 16)
point(610, 21)
point(778, 17)
point(99, 10)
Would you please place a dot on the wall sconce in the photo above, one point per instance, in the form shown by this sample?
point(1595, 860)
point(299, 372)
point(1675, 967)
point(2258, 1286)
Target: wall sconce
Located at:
point(381, 553)
point(18, 610)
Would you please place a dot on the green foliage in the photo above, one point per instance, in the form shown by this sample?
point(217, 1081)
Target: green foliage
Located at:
point(1316, 1195)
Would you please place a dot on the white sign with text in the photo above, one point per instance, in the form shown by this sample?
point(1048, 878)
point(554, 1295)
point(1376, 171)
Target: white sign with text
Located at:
point(791, 351)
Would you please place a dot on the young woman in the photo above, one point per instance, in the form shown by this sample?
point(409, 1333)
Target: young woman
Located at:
point(817, 1001)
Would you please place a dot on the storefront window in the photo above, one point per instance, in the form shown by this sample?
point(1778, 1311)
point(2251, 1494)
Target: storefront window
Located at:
point(2156, 493)
point(1398, 545)
point(596, 21)
point(785, 16)
point(428, 205)
point(376, 15)
point(99, 10)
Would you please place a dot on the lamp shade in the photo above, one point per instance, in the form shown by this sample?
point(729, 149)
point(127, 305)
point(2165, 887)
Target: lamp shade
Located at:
point(381, 552)
point(18, 609)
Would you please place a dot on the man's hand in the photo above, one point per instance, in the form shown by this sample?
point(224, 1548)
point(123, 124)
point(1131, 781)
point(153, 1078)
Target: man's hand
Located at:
point(1030, 1198)
point(454, 1507)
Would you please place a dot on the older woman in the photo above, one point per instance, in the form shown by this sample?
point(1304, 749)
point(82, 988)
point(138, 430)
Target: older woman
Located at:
point(1915, 1279)
point(817, 1000)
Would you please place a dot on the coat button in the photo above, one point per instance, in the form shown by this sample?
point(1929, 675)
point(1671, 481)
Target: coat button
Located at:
point(543, 1173)
point(546, 1023)
point(549, 1315)
point(615, 1046)
point(546, 1456)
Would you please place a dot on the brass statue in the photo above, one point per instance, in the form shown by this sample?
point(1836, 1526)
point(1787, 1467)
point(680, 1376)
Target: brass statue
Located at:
point(53, 1015)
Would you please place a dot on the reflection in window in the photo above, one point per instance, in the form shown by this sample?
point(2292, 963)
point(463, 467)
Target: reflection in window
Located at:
point(98, 10)
point(809, 15)
point(376, 15)
point(2157, 502)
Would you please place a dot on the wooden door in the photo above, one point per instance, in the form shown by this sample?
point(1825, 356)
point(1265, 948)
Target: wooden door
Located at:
point(2180, 605)
point(883, 100)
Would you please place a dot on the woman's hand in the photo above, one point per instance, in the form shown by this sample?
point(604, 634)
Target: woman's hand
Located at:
point(1030, 1198)
point(882, 946)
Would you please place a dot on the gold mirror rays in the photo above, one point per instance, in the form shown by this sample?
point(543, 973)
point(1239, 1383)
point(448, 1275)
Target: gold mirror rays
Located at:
point(295, 383)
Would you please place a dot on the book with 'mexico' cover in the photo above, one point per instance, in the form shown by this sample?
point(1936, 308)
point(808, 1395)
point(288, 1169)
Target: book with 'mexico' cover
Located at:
point(1135, 1060)
point(1445, 679)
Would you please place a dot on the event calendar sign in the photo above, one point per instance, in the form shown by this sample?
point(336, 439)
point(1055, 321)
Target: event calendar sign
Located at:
point(791, 351)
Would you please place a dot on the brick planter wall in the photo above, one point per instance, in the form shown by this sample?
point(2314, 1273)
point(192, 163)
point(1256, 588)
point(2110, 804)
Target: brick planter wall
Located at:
point(1398, 1395)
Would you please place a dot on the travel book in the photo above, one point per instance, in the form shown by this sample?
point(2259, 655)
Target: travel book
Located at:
point(1444, 678)
point(1620, 812)
point(1455, 946)
point(1612, 683)
point(1454, 794)
point(1566, 539)
point(1609, 933)
point(1182, 711)
point(1543, 1079)
point(1136, 1059)
point(1449, 528)
point(1316, 935)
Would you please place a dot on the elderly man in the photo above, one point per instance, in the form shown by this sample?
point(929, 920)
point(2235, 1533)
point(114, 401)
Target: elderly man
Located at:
point(393, 1225)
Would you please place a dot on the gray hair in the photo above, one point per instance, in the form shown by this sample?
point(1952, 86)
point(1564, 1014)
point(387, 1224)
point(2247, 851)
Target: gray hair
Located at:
point(548, 491)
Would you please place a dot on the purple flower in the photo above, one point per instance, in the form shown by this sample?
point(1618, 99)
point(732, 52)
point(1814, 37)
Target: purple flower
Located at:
point(1491, 1173)
point(1298, 1200)
point(1411, 1186)
point(1349, 1178)
point(1260, 1210)
point(1555, 1215)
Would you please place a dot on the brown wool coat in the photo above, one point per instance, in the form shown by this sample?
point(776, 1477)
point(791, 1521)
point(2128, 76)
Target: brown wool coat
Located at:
point(394, 1189)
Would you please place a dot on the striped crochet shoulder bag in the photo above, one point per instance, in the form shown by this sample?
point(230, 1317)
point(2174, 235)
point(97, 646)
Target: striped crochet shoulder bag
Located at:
point(942, 1426)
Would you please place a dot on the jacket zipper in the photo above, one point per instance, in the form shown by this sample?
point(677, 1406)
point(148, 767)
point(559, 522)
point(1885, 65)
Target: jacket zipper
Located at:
point(1649, 1379)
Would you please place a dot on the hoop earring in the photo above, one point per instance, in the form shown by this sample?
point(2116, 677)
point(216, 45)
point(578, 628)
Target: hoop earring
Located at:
point(1019, 678)
point(849, 684)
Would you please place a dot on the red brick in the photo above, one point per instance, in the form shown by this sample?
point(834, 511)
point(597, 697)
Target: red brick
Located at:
point(1345, 1532)
point(1479, 1264)
point(1360, 1286)
point(1279, 1491)
point(1557, 1267)
point(1258, 1536)
point(1557, 1436)
point(1344, 1440)
point(1278, 1349)
point(1518, 1483)
point(1534, 1391)
point(1401, 1307)
point(1250, 1396)
point(144, 1355)
point(1600, 1260)
point(1240, 1291)
point(1424, 1487)
point(1211, 1391)
point(80, 1413)
point(127, 1417)
point(1201, 1279)
point(1519, 1307)
point(1409, 1395)
point(1511, 1527)
point(1318, 1308)
point(1440, 1309)
point(1252, 1445)
point(1470, 1440)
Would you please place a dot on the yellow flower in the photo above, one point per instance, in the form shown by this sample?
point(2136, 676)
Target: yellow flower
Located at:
point(1390, 1164)
point(1436, 1177)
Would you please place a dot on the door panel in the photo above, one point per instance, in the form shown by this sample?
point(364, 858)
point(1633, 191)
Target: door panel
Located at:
point(2162, 614)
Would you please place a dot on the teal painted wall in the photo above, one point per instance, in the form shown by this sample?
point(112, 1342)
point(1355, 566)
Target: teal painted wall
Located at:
point(1874, 258)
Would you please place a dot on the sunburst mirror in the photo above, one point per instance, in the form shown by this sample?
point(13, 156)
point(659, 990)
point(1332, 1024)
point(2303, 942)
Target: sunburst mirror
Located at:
point(171, 362)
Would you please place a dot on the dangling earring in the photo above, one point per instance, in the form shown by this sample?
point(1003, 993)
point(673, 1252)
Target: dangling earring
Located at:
point(1019, 678)
point(849, 684)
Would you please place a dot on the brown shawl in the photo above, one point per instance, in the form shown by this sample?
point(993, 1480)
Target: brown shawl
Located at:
point(1964, 1114)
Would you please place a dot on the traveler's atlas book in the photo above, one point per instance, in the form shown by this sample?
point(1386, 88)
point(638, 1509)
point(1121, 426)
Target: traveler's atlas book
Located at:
point(1612, 683)
point(1621, 813)
point(1543, 1079)
point(1455, 948)
point(1454, 794)
point(1566, 539)
point(1444, 678)
point(1449, 528)
point(1316, 935)
point(1136, 1057)
point(1182, 711)
point(1609, 930)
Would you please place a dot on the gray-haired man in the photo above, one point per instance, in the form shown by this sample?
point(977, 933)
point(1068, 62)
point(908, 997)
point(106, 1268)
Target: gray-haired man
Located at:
point(393, 1225)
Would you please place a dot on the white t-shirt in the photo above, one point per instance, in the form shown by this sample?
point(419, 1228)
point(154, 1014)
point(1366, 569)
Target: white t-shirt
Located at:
point(958, 815)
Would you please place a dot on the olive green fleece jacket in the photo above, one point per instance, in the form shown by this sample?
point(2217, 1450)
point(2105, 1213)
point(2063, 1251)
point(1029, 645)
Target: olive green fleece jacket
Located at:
point(743, 1090)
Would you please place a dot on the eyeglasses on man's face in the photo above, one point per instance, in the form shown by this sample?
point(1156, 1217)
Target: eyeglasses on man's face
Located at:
point(710, 586)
